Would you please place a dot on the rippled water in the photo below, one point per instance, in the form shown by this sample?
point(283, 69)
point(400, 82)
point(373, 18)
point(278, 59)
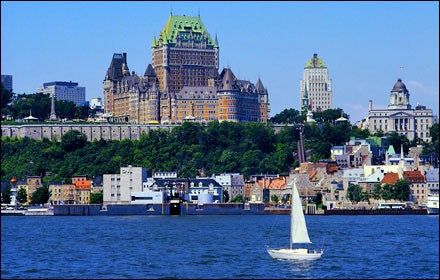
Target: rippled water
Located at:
point(216, 247)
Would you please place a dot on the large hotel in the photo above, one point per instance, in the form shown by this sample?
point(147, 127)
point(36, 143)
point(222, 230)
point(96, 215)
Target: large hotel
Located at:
point(183, 82)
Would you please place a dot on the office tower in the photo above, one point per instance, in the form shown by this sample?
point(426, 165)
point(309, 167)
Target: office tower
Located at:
point(315, 87)
point(7, 82)
point(67, 91)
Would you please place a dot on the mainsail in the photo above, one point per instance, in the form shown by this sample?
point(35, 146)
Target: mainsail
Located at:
point(298, 228)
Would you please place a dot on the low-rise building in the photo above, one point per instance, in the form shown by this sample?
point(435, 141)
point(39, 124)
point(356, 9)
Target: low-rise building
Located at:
point(432, 181)
point(61, 194)
point(233, 183)
point(118, 188)
point(418, 187)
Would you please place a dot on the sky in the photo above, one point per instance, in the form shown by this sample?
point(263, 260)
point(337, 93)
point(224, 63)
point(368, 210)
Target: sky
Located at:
point(366, 46)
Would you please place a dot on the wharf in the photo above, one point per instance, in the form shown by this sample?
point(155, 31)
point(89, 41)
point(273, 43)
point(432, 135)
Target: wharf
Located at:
point(28, 212)
point(376, 212)
point(13, 212)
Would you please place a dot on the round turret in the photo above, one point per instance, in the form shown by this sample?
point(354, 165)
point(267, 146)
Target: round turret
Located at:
point(399, 86)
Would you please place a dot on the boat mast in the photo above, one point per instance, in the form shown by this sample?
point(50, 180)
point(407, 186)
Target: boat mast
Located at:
point(291, 213)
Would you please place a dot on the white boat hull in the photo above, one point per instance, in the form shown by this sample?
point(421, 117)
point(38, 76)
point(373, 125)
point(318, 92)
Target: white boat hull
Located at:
point(294, 254)
point(432, 211)
point(433, 205)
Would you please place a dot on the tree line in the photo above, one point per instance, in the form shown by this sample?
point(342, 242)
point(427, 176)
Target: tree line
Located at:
point(19, 106)
point(399, 191)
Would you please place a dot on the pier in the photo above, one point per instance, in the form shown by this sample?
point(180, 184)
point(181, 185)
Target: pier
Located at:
point(376, 212)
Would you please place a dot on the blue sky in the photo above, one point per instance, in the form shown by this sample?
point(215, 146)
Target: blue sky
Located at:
point(364, 45)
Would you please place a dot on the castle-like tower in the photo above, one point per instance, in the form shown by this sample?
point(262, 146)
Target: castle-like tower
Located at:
point(315, 87)
point(184, 54)
point(182, 83)
point(130, 98)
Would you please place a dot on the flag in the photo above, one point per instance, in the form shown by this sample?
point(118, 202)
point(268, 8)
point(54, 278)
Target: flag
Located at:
point(401, 67)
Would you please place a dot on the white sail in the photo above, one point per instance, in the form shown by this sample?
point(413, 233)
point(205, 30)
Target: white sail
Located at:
point(298, 234)
point(298, 230)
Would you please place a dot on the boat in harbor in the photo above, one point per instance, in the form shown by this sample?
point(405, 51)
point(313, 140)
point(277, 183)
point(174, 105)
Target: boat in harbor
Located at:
point(432, 204)
point(298, 234)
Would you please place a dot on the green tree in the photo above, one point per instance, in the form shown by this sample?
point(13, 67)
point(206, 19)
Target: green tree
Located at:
point(330, 115)
point(38, 104)
point(65, 109)
point(22, 195)
point(354, 193)
point(41, 195)
point(397, 141)
point(318, 198)
point(432, 147)
point(365, 196)
point(402, 190)
point(359, 133)
point(238, 198)
point(6, 97)
point(377, 189)
point(73, 140)
point(82, 112)
point(387, 191)
point(434, 132)
point(225, 196)
point(6, 195)
point(96, 198)
point(274, 198)
point(288, 116)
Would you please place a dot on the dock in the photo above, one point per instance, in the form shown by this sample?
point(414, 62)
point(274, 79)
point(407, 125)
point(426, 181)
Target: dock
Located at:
point(376, 212)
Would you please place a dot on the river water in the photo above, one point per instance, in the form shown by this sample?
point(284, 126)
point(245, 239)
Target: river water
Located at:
point(217, 246)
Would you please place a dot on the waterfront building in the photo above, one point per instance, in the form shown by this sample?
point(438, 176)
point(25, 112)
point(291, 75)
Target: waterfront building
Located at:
point(233, 183)
point(417, 185)
point(147, 197)
point(117, 188)
point(192, 190)
point(31, 185)
point(67, 91)
point(432, 181)
point(316, 93)
point(7, 82)
point(273, 187)
point(400, 117)
point(82, 189)
point(367, 184)
point(182, 83)
point(62, 194)
point(96, 184)
point(204, 190)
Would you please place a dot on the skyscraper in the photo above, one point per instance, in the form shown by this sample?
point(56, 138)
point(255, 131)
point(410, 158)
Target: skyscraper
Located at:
point(65, 91)
point(7, 82)
point(315, 87)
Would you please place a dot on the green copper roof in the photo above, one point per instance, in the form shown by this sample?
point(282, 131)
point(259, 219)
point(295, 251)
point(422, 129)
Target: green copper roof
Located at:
point(390, 150)
point(374, 140)
point(183, 25)
point(315, 62)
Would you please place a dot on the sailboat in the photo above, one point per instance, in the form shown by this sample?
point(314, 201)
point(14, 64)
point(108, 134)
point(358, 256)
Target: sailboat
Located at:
point(298, 234)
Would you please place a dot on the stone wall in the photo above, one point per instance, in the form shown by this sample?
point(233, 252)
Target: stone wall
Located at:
point(92, 131)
